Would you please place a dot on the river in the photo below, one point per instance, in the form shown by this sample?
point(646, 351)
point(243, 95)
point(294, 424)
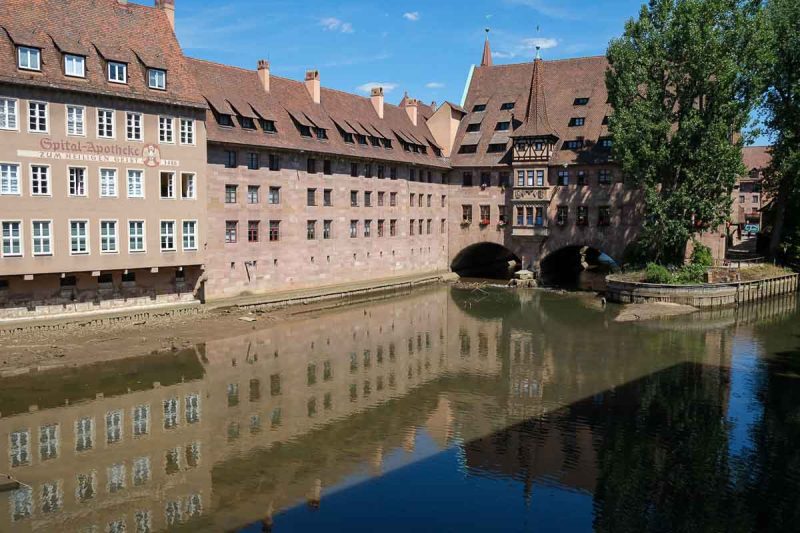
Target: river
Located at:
point(445, 409)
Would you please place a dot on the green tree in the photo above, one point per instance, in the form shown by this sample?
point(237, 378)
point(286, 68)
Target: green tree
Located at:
point(782, 107)
point(683, 84)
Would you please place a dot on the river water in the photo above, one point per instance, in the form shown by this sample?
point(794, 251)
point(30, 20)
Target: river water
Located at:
point(442, 410)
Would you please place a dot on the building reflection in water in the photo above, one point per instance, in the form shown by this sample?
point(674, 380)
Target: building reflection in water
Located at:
point(239, 429)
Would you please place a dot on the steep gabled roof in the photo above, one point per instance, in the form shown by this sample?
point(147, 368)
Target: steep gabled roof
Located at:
point(536, 123)
point(100, 30)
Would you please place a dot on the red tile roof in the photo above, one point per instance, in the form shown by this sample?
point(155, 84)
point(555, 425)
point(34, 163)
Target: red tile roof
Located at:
point(562, 82)
point(756, 157)
point(101, 30)
point(225, 87)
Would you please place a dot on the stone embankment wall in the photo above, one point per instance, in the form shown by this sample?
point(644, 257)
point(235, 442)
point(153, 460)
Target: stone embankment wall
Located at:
point(703, 296)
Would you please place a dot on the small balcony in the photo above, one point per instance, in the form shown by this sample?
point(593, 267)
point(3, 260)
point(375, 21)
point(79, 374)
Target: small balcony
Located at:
point(530, 231)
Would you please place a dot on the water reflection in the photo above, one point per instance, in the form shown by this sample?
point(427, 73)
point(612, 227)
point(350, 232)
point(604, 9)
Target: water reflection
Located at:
point(370, 411)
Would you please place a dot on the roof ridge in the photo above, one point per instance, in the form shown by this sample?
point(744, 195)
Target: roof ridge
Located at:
point(563, 59)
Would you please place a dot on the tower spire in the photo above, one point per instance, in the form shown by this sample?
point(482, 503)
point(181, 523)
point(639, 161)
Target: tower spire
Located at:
point(486, 60)
point(537, 124)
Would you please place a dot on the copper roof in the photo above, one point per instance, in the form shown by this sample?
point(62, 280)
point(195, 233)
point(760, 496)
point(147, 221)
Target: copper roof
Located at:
point(561, 82)
point(289, 99)
point(101, 30)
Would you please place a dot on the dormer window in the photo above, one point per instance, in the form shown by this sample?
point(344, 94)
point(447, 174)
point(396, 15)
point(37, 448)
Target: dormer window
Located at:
point(387, 143)
point(29, 58)
point(502, 126)
point(305, 131)
point(225, 120)
point(362, 139)
point(471, 128)
point(157, 79)
point(267, 125)
point(117, 72)
point(437, 152)
point(496, 148)
point(605, 120)
point(478, 108)
point(468, 149)
point(573, 144)
point(348, 137)
point(74, 66)
point(322, 134)
point(581, 101)
point(247, 123)
point(374, 141)
point(508, 106)
point(577, 121)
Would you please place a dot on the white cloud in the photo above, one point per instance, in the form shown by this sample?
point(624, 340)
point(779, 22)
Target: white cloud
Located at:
point(367, 87)
point(503, 55)
point(413, 16)
point(334, 24)
point(435, 85)
point(549, 10)
point(542, 42)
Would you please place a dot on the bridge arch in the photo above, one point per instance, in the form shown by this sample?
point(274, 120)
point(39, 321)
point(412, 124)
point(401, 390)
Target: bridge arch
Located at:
point(485, 260)
point(577, 265)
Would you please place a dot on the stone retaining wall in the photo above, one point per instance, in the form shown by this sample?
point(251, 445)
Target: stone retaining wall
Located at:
point(703, 296)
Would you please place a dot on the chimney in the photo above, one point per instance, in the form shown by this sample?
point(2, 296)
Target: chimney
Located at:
point(169, 8)
point(263, 74)
point(377, 100)
point(312, 84)
point(412, 108)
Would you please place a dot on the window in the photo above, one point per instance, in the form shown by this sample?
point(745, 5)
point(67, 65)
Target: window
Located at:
point(42, 235)
point(539, 215)
point(311, 165)
point(430, 198)
point(368, 170)
point(562, 215)
point(8, 114)
point(192, 410)
point(77, 181)
point(442, 226)
point(311, 197)
point(166, 130)
point(48, 442)
point(170, 413)
point(367, 199)
point(247, 123)
point(326, 167)
point(393, 228)
point(167, 235)
point(381, 198)
point(472, 128)
point(326, 197)
point(507, 106)
point(574, 144)
point(577, 121)
point(252, 194)
point(582, 178)
point(583, 216)
point(496, 148)
point(381, 172)
point(580, 101)
point(267, 125)
point(606, 142)
point(37, 117)
point(540, 178)
point(274, 162)
point(141, 420)
point(311, 230)
point(141, 475)
point(230, 159)
point(108, 182)
point(353, 170)
point(12, 239)
point(29, 58)
point(74, 66)
point(604, 177)
point(231, 231)
point(253, 227)
point(486, 179)
point(187, 131)
point(167, 182)
point(477, 108)
point(468, 149)
point(40, 180)
point(563, 177)
point(133, 126)
point(84, 434)
point(117, 72)
point(105, 123)
point(485, 214)
point(392, 199)
point(393, 173)
point(113, 426)
point(604, 216)
point(755, 198)
point(353, 229)
point(367, 228)
point(411, 226)
point(326, 229)
point(412, 174)
point(78, 237)
point(136, 236)
point(529, 215)
point(75, 120)
point(20, 448)
point(225, 120)
point(381, 224)
point(605, 120)
point(108, 236)
point(741, 198)
point(274, 196)
point(322, 133)
point(428, 226)
point(466, 213)
point(189, 235)
point(135, 184)
point(188, 186)
point(157, 79)
point(503, 126)
point(466, 179)
point(253, 161)
point(274, 230)
point(231, 193)
point(353, 198)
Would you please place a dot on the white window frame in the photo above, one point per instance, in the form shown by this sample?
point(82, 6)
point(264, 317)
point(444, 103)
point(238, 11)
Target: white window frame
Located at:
point(166, 125)
point(163, 85)
point(140, 426)
point(49, 438)
point(86, 237)
point(81, 434)
point(193, 235)
point(112, 67)
point(187, 131)
point(5, 177)
point(48, 239)
point(77, 131)
point(20, 239)
point(128, 182)
point(27, 51)
point(19, 452)
point(85, 182)
point(161, 235)
point(115, 422)
point(192, 406)
point(77, 60)
point(46, 116)
point(115, 236)
point(138, 127)
point(113, 123)
point(171, 412)
point(174, 195)
point(193, 188)
point(9, 108)
point(143, 249)
point(113, 190)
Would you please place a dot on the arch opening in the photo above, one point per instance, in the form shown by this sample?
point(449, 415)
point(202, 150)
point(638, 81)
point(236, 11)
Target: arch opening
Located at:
point(577, 268)
point(485, 260)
